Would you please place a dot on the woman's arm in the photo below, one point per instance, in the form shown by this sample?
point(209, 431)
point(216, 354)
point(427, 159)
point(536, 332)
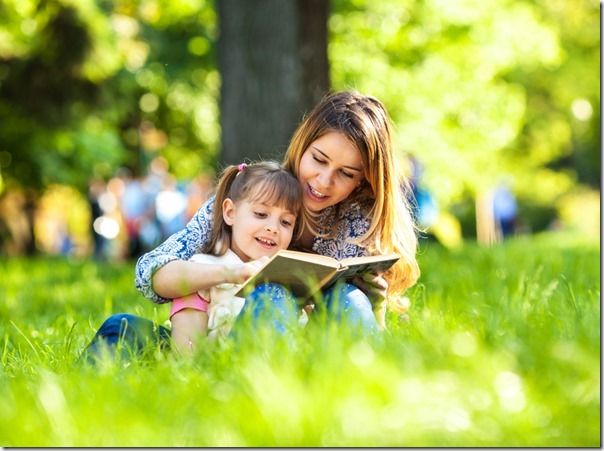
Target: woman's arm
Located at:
point(180, 246)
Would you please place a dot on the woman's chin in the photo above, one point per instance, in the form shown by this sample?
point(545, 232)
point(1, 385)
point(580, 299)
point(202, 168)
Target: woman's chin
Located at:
point(314, 206)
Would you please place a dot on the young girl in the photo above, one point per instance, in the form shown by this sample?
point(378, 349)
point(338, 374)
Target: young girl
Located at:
point(255, 215)
point(258, 208)
point(354, 205)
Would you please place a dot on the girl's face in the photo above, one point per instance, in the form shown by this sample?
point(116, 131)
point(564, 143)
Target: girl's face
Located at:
point(330, 169)
point(258, 229)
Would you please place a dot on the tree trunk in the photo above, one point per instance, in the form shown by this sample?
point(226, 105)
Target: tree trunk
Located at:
point(486, 231)
point(272, 56)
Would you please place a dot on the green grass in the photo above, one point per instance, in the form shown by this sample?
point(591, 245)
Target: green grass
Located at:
point(501, 347)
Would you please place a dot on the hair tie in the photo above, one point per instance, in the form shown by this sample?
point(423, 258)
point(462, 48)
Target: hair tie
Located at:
point(241, 167)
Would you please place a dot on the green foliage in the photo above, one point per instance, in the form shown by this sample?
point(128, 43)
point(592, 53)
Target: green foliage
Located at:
point(500, 348)
point(480, 90)
point(88, 86)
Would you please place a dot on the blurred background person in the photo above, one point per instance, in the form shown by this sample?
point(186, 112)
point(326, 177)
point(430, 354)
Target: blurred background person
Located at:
point(96, 187)
point(505, 211)
point(170, 207)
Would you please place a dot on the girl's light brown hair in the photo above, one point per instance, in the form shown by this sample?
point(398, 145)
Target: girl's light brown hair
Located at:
point(365, 122)
point(266, 182)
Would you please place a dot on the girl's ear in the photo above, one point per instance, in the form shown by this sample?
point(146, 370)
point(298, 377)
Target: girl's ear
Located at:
point(228, 211)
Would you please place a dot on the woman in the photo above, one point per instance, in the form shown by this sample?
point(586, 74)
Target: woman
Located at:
point(354, 206)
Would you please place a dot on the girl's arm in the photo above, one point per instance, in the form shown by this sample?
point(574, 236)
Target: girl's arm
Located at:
point(177, 247)
point(179, 278)
point(188, 327)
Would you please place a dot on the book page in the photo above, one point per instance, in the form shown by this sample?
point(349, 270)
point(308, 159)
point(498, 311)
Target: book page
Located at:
point(354, 270)
point(389, 259)
point(302, 273)
point(308, 257)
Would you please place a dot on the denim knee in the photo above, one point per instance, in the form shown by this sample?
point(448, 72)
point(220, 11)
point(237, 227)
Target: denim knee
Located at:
point(347, 303)
point(131, 330)
point(116, 327)
point(272, 303)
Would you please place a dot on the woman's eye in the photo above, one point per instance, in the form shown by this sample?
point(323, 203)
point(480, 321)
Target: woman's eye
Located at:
point(347, 174)
point(318, 160)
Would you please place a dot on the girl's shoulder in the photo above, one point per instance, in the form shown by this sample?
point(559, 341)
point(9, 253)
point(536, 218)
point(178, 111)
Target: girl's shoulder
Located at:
point(228, 257)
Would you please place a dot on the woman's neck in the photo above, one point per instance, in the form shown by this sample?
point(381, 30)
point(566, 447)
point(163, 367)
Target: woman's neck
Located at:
point(306, 240)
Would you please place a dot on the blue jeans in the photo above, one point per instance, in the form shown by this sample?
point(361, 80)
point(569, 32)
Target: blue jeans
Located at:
point(269, 303)
point(132, 333)
point(347, 304)
point(344, 303)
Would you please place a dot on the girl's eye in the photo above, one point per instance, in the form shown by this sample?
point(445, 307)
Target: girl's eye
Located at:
point(347, 174)
point(260, 214)
point(286, 223)
point(318, 160)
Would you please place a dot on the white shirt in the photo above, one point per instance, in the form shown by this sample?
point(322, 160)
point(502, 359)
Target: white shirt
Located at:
point(224, 305)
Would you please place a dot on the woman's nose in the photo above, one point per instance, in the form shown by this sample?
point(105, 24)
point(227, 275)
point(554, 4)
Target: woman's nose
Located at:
point(325, 178)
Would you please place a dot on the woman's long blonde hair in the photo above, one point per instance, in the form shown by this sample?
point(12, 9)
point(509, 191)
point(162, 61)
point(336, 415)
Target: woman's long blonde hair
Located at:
point(365, 122)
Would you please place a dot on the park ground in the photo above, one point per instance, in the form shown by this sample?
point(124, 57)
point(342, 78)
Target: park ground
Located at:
point(500, 348)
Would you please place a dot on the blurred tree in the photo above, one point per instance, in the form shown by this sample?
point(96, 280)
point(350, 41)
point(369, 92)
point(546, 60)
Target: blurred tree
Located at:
point(86, 86)
point(91, 85)
point(48, 93)
point(173, 82)
point(480, 90)
point(273, 65)
point(563, 114)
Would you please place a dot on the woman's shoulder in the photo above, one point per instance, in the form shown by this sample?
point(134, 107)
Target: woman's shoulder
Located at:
point(353, 218)
point(346, 211)
point(341, 226)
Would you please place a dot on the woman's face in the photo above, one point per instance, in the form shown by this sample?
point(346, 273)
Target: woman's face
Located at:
point(330, 169)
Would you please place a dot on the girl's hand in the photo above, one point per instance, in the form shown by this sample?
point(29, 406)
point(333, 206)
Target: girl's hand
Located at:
point(240, 273)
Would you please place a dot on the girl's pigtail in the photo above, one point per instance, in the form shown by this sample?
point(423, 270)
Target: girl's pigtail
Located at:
point(221, 239)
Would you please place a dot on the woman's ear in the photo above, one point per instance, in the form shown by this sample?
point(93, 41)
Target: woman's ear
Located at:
point(228, 211)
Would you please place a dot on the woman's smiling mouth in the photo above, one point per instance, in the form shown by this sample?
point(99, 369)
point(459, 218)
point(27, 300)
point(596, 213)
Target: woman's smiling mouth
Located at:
point(314, 194)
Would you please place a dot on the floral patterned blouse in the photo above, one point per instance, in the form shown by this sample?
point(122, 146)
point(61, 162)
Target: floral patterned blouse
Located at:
point(344, 222)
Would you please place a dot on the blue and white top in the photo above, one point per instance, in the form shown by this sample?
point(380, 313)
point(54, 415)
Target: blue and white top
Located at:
point(341, 223)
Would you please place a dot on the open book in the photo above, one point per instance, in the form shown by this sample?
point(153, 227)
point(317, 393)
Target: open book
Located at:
point(305, 273)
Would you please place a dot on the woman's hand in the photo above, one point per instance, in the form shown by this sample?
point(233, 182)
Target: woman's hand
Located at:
point(376, 289)
point(373, 285)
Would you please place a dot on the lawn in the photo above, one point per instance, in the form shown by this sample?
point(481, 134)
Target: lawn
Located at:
point(501, 347)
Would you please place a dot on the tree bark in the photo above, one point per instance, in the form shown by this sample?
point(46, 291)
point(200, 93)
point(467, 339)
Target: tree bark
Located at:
point(486, 231)
point(272, 57)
